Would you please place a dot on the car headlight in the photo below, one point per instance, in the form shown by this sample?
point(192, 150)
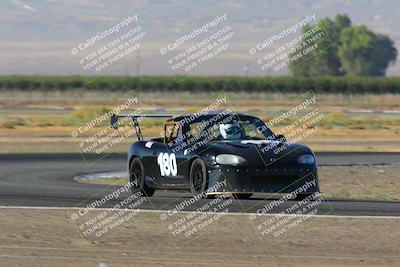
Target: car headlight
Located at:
point(306, 159)
point(230, 159)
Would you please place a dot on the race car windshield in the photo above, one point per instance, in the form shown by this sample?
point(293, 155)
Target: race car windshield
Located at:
point(249, 129)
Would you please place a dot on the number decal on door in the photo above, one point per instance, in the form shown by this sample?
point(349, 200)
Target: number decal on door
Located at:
point(167, 163)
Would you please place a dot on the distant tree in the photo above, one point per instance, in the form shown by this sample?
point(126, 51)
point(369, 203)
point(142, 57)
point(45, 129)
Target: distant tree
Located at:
point(324, 60)
point(345, 50)
point(342, 21)
point(364, 53)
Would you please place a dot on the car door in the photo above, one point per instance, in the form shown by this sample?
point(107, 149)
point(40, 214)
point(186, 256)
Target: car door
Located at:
point(168, 159)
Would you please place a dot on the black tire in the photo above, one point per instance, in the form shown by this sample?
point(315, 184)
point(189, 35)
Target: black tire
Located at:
point(136, 173)
point(242, 196)
point(301, 197)
point(198, 177)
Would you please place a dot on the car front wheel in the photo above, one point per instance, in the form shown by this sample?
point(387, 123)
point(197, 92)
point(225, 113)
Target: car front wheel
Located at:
point(198, 177)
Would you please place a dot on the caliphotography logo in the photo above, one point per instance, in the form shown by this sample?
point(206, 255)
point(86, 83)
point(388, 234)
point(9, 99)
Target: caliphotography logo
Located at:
point(190, 51)
point(96, 138)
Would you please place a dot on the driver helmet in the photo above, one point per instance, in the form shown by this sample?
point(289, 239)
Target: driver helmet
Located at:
point(231, 131)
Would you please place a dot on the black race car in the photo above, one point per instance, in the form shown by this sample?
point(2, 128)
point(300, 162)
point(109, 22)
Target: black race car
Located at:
point(219, 152)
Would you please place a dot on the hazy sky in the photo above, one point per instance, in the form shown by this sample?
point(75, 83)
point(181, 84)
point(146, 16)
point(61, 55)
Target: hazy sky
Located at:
point(39, 36)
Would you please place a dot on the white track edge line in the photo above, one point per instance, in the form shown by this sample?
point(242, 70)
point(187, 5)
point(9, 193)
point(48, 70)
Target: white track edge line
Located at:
point(231, 213)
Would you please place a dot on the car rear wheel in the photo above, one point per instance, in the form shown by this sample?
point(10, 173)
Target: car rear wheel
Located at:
point(137, 178)
point(198, 177)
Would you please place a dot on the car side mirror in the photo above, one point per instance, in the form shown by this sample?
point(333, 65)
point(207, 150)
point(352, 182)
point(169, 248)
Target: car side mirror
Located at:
point(281, 138)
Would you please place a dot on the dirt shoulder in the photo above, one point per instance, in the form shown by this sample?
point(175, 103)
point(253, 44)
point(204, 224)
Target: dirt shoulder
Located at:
point(374, 182)
point(37, 237)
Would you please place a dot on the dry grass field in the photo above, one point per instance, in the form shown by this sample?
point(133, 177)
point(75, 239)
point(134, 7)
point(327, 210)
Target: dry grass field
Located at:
point(43, 122)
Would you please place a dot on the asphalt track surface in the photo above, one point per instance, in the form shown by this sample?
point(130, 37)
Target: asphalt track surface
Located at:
point(46, 180)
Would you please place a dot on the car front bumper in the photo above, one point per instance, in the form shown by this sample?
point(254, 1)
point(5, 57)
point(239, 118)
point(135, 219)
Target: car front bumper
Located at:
point(262, 180)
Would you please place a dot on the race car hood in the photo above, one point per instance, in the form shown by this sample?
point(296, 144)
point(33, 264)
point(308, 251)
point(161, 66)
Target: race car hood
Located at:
point(260, 152)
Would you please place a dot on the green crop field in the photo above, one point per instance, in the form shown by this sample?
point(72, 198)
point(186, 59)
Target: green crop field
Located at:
point(286, 84)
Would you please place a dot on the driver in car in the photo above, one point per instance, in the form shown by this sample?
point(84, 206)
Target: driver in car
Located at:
point(231, 131)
